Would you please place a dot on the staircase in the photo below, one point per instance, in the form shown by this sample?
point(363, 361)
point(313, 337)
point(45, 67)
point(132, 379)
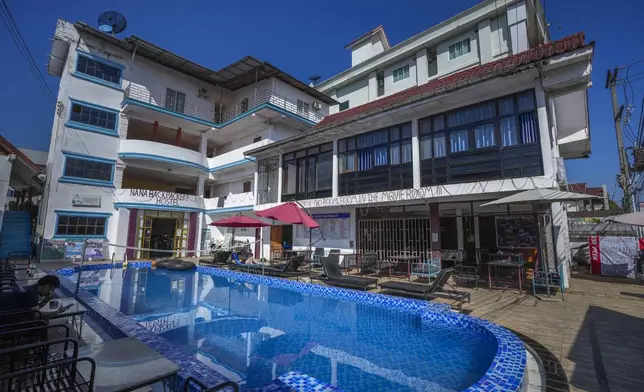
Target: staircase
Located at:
point(15, 233)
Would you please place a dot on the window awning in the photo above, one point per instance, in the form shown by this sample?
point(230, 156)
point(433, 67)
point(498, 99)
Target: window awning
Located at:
point(539, 196)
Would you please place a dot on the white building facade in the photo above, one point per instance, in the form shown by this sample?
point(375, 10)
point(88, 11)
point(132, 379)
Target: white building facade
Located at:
point(473, 109)
point(146, 144)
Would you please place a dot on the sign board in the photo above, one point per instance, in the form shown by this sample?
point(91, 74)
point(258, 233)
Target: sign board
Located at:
point(516, 232)
point(613, 256)
point(93, 250)
point(163, 198)
point(334, 227)
point(79, 200)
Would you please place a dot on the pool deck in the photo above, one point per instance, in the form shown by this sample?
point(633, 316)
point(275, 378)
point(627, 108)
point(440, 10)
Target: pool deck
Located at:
point(591, 341)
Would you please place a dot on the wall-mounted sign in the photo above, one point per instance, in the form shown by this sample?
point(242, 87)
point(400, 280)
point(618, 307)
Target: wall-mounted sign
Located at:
point(79, 200)
point(162, 198)
point(334, 226)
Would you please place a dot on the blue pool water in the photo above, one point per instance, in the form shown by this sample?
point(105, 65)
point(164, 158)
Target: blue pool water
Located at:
point(253, 333)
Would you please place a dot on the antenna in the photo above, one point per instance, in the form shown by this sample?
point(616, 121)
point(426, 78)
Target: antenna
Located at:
point(111, 22)
point(313, 80)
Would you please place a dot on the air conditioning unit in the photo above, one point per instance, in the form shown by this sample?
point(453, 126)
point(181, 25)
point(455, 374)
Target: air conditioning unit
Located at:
point(203, 93)
point(316, 105)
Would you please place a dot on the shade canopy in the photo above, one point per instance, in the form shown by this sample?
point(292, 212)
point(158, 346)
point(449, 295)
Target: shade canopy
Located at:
point(539, 196)
point(290, 213)
point(634, 218)
point(239, 221)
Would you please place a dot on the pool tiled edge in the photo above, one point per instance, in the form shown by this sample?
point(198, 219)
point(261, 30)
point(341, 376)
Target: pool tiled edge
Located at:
point(505, 373)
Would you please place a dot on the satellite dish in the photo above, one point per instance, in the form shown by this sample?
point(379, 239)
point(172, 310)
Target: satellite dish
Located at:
point(111, 22)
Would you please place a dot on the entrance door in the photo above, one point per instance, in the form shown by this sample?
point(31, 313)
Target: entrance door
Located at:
point(146, 234)
point(276, 242)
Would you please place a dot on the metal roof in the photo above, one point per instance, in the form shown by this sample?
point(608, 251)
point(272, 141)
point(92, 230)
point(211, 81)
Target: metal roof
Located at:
point(539, 196)
point(239, 74)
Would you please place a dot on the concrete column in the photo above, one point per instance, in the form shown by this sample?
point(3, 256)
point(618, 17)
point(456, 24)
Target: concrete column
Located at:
point(415, 153)
point(123, 126)
point(435, 226)
point(485, 41)
point(255, 183)
point(336, 169)
point(518, 26)
point(373, 86)
point(279, 179)
point(544, 132)
point(477, 234)
point(118, 175)
point(422, 67)
point(201, 182)
point(203, 145)
point(334, 108)
point(459, 229)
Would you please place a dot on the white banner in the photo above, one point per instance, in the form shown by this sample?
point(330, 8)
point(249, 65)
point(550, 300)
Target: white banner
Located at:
point(617, 255)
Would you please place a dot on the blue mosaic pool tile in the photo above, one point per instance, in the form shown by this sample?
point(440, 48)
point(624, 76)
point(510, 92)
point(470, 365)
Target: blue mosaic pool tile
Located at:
point(504, 375)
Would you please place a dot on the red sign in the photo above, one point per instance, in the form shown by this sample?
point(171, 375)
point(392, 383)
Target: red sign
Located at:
point(595, 255)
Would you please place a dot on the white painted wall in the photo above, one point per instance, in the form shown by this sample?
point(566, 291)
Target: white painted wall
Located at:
point(447, 66)
point(411, 81)
point(357, 93)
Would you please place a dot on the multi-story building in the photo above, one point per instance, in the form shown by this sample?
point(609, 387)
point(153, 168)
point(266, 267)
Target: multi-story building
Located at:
point(475, 108)
point(147, 145)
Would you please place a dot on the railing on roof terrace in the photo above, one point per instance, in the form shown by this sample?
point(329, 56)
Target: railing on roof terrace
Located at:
point(209, 114)
point(141, 93)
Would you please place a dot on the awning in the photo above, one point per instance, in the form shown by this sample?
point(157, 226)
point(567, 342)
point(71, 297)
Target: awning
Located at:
point(238, 221)
point(540, 196)
point(290, 213)
point(634, 218)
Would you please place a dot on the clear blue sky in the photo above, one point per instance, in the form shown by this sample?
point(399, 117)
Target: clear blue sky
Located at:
point(302, 40)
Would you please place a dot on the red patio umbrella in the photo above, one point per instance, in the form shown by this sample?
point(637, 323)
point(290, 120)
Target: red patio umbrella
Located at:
point(290, 213)
point(239, 221)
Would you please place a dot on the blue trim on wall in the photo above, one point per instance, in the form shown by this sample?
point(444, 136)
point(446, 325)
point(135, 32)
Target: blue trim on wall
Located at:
point(161, 109)
point(99, 59)
point(95, 106)
point(229, 209)
point(266, 106)
point(87, 214)
point(232, 164)
point(92, 128)
point(87, 181)
point(161, 159)
point(147, 206)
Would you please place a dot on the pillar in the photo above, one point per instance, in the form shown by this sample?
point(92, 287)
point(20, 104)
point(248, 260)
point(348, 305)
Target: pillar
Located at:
point(200, 216)
point(485, 41)
point(373, 86)
point(177, 141)
point(336, 169)
point(435, 226)
point(459, 229)
point(279, 179)
point(422, 67)
point(203, 145)
point(415, 153)
point(544, 133)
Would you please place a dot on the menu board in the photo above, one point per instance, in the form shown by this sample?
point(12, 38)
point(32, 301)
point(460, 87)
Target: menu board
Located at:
point(333, 227)
point(516, 232)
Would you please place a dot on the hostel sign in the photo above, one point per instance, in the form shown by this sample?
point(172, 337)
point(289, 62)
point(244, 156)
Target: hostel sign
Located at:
point(162, 198)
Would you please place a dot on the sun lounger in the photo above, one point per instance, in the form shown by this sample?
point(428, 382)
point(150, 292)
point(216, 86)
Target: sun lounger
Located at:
point(435, 289)
point(289, 269)
point(333, 277)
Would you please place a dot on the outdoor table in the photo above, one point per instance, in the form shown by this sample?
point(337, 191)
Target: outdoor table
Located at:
point(506, 264)
point(74, 315)
point(403, 259)
point(126, 365)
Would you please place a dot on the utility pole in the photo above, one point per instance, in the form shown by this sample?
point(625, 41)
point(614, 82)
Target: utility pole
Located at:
point(624, 169)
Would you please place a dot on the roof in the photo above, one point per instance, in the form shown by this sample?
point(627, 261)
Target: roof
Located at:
point(541, 196)
point(239, 74)
point(11, 149)
point(377, 30)
point(506, 66)
point(582, 187)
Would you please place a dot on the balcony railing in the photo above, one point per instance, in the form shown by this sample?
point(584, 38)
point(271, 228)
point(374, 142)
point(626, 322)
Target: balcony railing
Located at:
point(230, 201)
point(179, 105)
point(182, 105)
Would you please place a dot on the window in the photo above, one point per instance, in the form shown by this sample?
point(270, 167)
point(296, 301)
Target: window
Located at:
point(89, 170)
point(385, 147)
point(484, 136)
point(308, 173)
point(459, 49)
point(81, 225)
point(458, 141)
point(344, 105)
point(175, 100)
point(92, 117)
point(246, 186)
point(96, 69)
point(257, 139)
point(401, 73)
point(302, 108)
point(380, 79)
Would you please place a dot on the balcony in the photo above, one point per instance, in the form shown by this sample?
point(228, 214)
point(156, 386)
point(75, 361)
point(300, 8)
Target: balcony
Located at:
point(234, 158)
point(189, 113)
point(231, 203)
point(157, 200)
point(165, 156)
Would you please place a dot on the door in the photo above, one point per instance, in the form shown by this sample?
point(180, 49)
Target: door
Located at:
point(276, 242)
point(145, 234)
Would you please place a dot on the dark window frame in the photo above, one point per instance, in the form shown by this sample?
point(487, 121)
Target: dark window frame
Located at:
point(70, 225)
point(307, 159)
point(343, 106)
point(247, 186)
point(94, 170)
point(93, 116)
point(100, 70)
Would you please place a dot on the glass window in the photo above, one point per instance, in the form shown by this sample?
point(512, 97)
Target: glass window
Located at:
point(88, 169)
point(324, 171)
point(395, 153)
point(348, 163)
point(405, 151)
point(342, 145)
point(75, 225)
point(526, 101)
point(509, 131)
point(301, 176)
point(484, 136)
point(439, 123)
point(365, 159)
point(459, 49)
point(426, 148)
point(506, 106)
point(394, 134)
point(290, 178)
point(344, 105)
point(176, 101)
point(459, 141)
point(424, 126)
point(99, 70)
point(401, 73)
point(380, 156)
point(472, 114)
point(93, 116)
point(311, 175)
point(406, 131)
point(529, 129)
point(302, 108)
point(440, 149)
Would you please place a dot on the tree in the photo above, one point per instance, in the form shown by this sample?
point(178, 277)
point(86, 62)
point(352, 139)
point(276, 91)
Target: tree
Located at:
point(612, 205)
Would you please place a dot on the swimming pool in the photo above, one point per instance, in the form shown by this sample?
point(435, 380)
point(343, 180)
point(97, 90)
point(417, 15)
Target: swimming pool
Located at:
point(253, 329)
